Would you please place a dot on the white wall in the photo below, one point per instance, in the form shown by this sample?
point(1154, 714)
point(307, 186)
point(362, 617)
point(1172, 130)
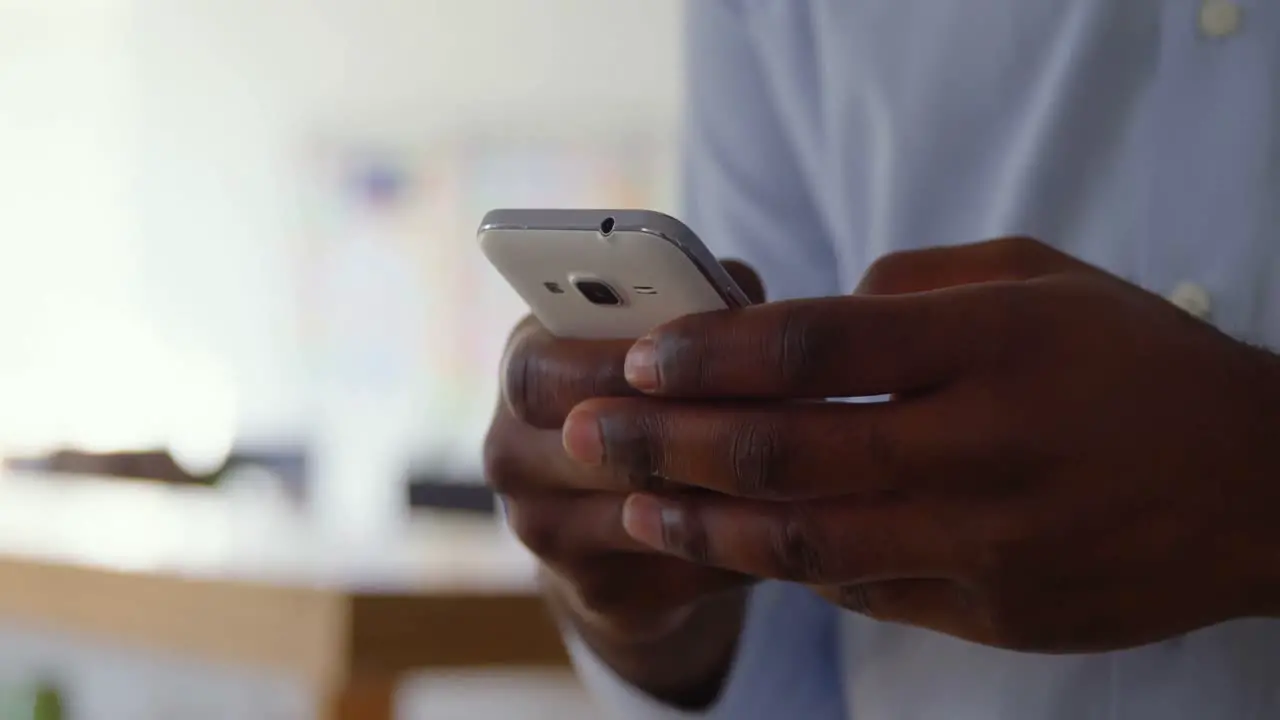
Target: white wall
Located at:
point(167, 186)
point(66, 209)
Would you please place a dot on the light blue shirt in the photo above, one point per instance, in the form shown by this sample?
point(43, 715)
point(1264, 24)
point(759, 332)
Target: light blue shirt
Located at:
point(1140, 135)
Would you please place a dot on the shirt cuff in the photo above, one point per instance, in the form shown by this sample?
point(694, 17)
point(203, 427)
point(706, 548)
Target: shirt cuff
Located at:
point(787, 664)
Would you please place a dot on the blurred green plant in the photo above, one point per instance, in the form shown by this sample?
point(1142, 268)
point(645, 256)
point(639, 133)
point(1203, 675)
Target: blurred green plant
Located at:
point(32, 701)
point(47, 704)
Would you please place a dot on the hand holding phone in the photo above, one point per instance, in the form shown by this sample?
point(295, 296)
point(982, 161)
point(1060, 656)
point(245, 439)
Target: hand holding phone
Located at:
point(666, 625)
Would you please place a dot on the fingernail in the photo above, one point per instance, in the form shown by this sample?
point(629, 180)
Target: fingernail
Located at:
point(581, 438)
point(646, 519)
point(641, 366)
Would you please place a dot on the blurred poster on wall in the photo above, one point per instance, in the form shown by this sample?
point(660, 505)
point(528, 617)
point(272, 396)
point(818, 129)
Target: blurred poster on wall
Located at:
point(399, 295)
point(372, 221)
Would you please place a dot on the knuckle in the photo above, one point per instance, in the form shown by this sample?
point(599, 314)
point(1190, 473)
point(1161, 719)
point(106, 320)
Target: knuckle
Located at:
point(797, 350)
point(797, 552)
point(680, 351)
point(1019, 255)
point(688, 538)
point(886, 274)
point(857, 598)
point(909, 600)
point(645, 482)
point(879, 600)
point(1014, 324)
point(635, 447)
point(757, 456)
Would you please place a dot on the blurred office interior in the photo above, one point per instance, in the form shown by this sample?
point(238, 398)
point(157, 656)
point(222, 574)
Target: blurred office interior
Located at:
point(237, 258)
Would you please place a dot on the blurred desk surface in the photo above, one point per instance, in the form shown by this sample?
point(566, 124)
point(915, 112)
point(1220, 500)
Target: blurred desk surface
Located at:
point(252, 581)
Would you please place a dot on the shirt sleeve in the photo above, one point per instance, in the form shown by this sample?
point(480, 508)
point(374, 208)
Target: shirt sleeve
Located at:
point(743, 185)
point(788, 665)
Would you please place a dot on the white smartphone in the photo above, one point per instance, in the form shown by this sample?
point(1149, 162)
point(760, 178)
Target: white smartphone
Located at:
point(605, 274)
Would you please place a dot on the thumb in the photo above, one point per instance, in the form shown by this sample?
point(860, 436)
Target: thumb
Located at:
point(747, 279)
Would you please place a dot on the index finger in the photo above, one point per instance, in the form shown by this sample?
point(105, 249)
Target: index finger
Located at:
point(854, 346)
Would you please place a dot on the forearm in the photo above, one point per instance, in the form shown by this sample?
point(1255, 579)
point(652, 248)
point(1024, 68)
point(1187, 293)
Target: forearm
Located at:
point(684, 666)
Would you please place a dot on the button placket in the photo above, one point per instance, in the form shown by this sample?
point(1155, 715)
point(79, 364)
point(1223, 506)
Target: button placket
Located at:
point(1220, 18)
point(1193, 299)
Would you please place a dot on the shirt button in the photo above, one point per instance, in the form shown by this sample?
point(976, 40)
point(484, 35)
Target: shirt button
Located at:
point(1219, 18)
point(1192, 298)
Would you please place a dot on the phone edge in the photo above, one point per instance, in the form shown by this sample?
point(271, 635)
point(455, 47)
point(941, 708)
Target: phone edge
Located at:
point(649, 222)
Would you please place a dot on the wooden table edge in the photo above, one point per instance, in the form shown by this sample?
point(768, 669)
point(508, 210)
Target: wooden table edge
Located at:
point(318, 635)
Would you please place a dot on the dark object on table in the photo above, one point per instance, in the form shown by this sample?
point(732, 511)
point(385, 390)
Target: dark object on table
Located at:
point(427, 490)
point(143, 465)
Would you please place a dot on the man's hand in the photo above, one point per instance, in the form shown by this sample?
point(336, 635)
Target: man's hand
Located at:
point(1067, 463)
point(667, 625)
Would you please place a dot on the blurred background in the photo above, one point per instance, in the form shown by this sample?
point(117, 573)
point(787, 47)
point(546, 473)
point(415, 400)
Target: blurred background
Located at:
point(237, 257)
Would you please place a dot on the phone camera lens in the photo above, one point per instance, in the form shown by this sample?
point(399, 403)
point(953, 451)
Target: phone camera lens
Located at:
point(597, 293)
point(606, 226)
